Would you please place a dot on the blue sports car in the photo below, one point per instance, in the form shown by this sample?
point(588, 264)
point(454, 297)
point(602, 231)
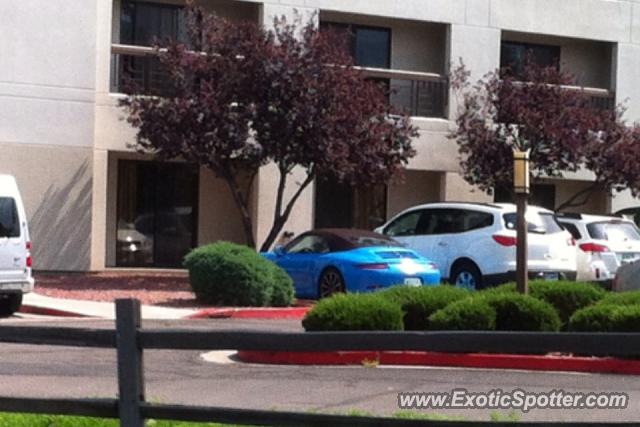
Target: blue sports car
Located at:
point(326, 261)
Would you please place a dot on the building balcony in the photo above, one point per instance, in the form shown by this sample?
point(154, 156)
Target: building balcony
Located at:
point(137, 69)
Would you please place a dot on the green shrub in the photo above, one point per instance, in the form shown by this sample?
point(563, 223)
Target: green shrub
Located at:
point(621, 298)
point(517, 312)
point(225, 273)
point(283, 293)
point(565, 296)
point(606, 318)
point(506, 287)
point(418, 303)
point(354, 312)
point(465, 315)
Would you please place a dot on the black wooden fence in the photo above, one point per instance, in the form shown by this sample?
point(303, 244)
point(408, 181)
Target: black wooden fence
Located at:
point(130, 340)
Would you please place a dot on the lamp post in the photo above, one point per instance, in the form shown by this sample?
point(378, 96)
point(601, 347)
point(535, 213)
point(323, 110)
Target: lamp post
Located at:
point(521, 190)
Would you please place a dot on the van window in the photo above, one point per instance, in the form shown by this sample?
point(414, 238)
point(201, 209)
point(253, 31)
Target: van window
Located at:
point(9, 221)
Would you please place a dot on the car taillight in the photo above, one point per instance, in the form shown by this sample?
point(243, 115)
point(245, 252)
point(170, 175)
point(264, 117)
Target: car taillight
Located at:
point(374, 266)
point(505, 240)
point(432, 265)
point(28, 245)
point(593, 247)
point(571, 241)
point(29, 261)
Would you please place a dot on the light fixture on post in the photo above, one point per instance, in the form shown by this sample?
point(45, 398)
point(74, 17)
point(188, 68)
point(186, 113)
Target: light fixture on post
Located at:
point(521, 190)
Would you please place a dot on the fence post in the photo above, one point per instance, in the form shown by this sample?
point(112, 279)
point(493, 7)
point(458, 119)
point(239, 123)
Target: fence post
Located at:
point(130, 367)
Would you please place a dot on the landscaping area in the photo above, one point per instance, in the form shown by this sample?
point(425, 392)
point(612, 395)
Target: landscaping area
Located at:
point(550, 306)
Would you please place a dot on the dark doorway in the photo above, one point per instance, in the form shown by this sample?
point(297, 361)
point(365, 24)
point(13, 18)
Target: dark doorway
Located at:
point(343, 206)
point(156, 213)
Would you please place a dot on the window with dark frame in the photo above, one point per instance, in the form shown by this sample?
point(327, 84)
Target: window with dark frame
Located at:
point(369, 46)
point(142, 22)
point(513, 56)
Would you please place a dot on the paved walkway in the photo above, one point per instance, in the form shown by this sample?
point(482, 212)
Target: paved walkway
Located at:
point(40, 304)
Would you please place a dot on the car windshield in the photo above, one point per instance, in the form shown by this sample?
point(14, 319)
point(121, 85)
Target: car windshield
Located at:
point(613, 231)
point(537, 222)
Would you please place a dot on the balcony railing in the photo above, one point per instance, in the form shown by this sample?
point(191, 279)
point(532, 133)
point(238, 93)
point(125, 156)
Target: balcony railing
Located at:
point(137, 69)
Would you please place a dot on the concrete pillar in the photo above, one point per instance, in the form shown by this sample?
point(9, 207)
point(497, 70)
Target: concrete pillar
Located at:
point(464, 42)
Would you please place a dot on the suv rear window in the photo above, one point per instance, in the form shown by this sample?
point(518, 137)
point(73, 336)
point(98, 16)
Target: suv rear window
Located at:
point(614, 231)
point(540, 223)
point(9, 222)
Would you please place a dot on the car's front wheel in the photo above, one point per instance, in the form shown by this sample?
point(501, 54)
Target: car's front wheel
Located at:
point(466, 275)
point(9, 304)
point(331, 282)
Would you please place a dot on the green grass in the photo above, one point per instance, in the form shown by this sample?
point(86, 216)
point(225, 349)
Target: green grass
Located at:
point(32, 420)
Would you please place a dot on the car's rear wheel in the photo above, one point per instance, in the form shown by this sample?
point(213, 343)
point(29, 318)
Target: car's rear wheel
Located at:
point(9, 304)
point(331, 282)
point(466, 274)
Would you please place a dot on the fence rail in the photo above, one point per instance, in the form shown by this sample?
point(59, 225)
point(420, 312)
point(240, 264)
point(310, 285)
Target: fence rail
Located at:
point(130, 341)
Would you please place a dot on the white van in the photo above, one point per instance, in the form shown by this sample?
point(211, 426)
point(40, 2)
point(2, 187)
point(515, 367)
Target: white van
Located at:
point(15, 248)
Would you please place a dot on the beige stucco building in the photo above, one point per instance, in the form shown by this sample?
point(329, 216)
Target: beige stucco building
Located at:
point(94, 203)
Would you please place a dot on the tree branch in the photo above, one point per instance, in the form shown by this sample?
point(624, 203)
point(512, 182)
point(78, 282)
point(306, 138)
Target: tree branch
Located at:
point(575, 201)
point(280, 218)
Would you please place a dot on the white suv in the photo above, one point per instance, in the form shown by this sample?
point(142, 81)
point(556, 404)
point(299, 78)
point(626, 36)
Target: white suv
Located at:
point(474, 244)
point(604, 244)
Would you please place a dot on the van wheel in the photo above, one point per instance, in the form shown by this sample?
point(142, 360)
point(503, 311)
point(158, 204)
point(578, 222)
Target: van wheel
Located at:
point(9, 304)
point(466, 274)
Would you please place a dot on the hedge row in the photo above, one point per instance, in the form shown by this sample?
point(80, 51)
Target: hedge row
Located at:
point(550, 306)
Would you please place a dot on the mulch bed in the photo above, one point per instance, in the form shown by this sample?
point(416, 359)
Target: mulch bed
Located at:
point(168, 289)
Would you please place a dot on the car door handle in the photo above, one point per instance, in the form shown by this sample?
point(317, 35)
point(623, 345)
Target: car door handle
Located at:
point(442, 244)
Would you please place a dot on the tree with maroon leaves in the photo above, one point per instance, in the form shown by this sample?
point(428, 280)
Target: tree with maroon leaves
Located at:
point(538, 111)
point(244, 97)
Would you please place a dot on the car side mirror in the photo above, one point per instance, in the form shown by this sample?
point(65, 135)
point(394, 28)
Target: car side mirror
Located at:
point(279, 250)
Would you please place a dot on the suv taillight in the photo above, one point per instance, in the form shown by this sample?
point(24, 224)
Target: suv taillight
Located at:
point(505, 240)
point(593, 247)
point(29, 260)
point(28, 245)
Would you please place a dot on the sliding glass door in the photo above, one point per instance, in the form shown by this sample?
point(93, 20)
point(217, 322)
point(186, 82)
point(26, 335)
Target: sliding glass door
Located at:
point(156, 213)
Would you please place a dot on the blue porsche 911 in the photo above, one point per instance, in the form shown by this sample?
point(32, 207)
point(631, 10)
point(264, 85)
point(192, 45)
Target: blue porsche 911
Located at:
point(326, 261)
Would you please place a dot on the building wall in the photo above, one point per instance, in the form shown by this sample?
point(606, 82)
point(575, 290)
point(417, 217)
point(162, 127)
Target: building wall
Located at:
point(61, 129)
point(56, 187)
point(416, 187)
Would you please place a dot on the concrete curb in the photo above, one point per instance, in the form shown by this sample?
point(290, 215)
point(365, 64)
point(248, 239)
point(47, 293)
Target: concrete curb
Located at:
point(47, 311)
point(468, 360)
point(250, 313)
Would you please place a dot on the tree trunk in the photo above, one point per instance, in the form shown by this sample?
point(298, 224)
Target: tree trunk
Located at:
point(242, 202)
point(280, 217)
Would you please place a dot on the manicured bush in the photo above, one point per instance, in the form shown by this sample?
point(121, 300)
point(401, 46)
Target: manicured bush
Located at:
point(225, 273)
point(606, 318)
point(501, 289)
point(566, 296)
point(283, 293)
point(465, 315)
point(621, 298)
point(418, 303)
point(354, 312)
point(517, 312)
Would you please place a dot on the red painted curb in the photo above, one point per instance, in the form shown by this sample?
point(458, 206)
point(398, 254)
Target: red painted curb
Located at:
point(34, 309)
point(251, 313)
point(467, 360)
